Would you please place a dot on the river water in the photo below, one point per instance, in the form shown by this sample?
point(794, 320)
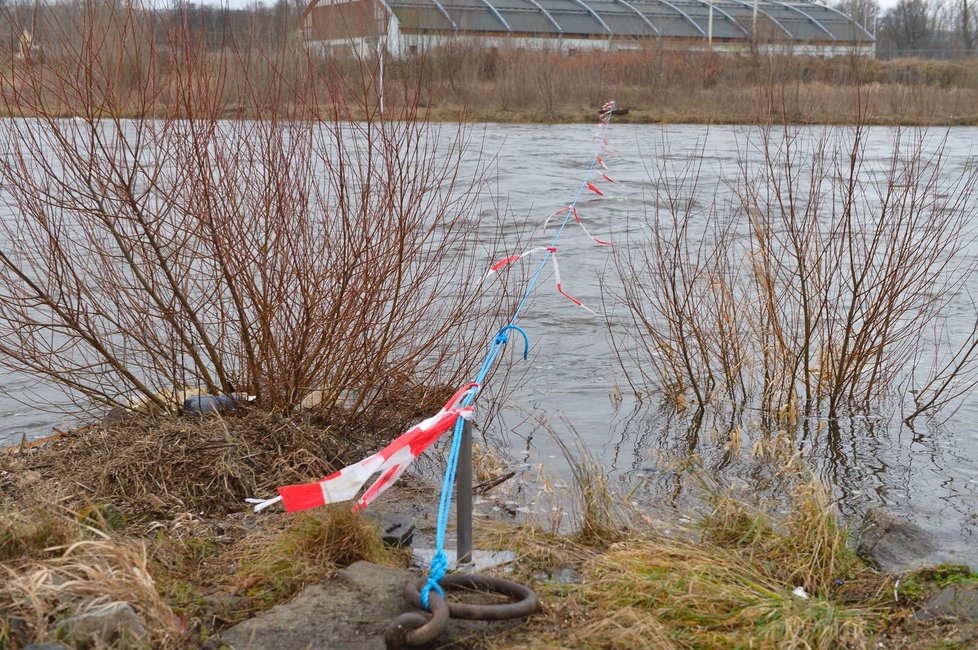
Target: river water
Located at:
point(572, 383)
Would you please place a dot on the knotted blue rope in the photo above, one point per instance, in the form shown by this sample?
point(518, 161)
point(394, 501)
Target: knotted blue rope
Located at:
point(502, 338)
point(439, 562)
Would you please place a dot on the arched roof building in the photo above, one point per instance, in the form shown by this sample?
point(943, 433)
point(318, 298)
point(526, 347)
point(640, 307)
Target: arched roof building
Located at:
point(407, 26)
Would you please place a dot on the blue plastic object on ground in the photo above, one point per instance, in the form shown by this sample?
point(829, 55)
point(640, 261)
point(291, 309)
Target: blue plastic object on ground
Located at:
point(201, 404)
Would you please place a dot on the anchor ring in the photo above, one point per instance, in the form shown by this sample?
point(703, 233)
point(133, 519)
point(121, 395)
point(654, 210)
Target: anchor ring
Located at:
point(414, 628)
point(526, 601)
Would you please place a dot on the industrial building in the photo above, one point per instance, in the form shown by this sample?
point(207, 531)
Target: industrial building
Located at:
point(405, 27)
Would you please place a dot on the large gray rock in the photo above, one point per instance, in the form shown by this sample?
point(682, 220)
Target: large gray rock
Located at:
point(110, 625)
point(350, 611)
point(893, 544)
point(954, 600)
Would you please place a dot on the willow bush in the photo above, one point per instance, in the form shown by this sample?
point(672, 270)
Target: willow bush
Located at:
point(826, 286)
point(316, 251)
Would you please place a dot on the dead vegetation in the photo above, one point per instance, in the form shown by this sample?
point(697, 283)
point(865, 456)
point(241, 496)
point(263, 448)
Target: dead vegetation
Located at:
point(743, 577)
point(166, 533)
point(153, 467)
point(658, 83)
point(667, 85)
point(321, 253)
point(823, 288)
point(745, 574)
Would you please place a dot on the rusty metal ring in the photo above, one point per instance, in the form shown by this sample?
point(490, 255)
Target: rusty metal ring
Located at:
point(414, 628)
point(526, 601)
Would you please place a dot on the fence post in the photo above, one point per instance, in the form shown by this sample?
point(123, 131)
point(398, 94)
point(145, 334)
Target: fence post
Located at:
point(463, 487)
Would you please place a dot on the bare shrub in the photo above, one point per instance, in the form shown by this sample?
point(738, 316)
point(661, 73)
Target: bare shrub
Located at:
point(820, 293)
point(320, 249)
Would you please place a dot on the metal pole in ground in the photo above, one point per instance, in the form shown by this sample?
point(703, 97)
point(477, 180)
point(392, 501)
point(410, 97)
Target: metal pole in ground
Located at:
point(463, 487)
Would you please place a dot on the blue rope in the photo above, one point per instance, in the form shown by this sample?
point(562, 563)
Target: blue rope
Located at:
point(439, 563)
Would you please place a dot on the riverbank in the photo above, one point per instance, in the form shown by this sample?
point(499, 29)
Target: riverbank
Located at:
point(691, 113)
point(151, 514)
point(475, 84)
point(810, 104)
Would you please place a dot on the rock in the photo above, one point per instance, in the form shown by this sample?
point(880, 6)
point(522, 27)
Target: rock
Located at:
point(397, 530)
point(958, 601)
point(349, 611)
point(112, 624)
point(893, 544)
point(46, 646)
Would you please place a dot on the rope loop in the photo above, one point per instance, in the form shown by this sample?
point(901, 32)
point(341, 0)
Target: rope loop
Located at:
point(439, 567)
point(502, 338)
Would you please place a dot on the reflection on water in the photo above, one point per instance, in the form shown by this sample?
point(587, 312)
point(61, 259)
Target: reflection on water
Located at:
point(927, 474)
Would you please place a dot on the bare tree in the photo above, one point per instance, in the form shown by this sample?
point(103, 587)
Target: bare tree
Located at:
point(864, 12)
point(909, 27)
point(965, 26)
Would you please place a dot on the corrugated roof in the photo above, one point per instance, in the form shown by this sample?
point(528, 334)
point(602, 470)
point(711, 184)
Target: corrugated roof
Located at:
point(732, 19)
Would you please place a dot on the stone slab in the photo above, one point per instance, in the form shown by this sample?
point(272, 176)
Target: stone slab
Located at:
point(481, 560)
point(350, 611)
point(954, 600)
point(893, 544)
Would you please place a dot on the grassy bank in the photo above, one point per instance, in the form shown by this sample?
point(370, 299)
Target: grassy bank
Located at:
point(151, 512)
point(190, 566)
point(738, 578)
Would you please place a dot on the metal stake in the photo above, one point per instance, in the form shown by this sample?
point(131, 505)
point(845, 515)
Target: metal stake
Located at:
point(463, 494)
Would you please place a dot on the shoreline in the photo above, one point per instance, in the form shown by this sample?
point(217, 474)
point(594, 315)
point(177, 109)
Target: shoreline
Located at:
point(209, 563)
point(460, 115)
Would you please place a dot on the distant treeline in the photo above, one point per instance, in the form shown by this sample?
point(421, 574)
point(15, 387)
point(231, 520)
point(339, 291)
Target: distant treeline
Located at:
point(936, 29)
point(212, 25)
point(667, 85)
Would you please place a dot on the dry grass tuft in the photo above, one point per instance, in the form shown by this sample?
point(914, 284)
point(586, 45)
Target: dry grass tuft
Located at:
point(722, 598)
point(809, 548)
point(30, 535)
point(309, 548)
point(84, 576)
point(536, 549)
